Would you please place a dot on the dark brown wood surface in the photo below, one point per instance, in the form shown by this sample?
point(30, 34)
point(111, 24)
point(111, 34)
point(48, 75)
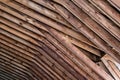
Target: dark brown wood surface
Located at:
point(59, 39)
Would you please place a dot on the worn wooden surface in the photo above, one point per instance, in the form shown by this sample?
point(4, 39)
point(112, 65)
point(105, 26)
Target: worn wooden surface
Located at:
point(59, 39)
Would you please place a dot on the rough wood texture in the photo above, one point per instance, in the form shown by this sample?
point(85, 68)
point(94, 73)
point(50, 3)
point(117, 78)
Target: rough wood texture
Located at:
point(59, 39)
point(112, 66)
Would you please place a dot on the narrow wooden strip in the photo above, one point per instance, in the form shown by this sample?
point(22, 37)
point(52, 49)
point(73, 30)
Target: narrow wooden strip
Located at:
point(56, 65)
point(10, 69)
point(115, 3)
point(73, 58)
point(44, 11)
point(110, 64)
point(52, 24)
point(13, 65)
point(88, 33)
point(106, 9)
point(74, 41)
point(98, 17)
point(34, 71)
point(80, 55)
point(29, 60)
point(36, 42)
point(90, 24)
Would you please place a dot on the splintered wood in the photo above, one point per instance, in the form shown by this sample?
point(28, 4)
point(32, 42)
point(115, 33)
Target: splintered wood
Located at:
point(59, 40)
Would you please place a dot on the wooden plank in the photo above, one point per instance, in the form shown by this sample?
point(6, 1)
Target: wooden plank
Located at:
point(111, 66)
point(51, 23)
point(87, 32)
point(74, 59)
point(98, 17)
point(80, 55)
point(48, 61)
point(34, 71)
point(106, 9)
point(82, 16)
point(30, 61)
point(15, 65)
point(115, 3)
point(37, 44)
point(44, 11)
point(74, 41)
